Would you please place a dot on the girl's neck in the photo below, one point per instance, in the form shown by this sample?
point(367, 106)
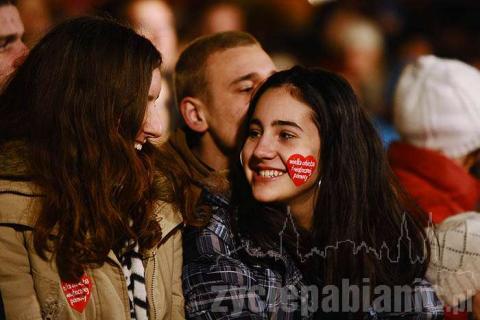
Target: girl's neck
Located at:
point(302, 208)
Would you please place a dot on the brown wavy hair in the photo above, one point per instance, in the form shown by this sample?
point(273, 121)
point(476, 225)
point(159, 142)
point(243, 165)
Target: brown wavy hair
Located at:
point(78, 101)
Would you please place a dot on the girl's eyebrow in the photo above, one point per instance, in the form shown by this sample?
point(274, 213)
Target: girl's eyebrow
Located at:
point(285, 123)
point(276, 123)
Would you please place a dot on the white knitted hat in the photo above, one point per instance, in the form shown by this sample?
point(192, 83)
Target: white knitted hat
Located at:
point(454, 268)
point(437, 106)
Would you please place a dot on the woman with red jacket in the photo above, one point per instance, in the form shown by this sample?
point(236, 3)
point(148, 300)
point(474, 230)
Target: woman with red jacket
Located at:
point(437, 113)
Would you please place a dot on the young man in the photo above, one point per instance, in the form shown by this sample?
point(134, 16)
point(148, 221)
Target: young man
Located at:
point(214, 79)
point(11, 46)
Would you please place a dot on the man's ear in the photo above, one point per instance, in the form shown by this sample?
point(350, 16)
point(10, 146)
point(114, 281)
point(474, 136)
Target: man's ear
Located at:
point(193, 113)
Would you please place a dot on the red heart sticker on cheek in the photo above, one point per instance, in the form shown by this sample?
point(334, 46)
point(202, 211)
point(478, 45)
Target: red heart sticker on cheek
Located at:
point(300, 168)
point(78, 293)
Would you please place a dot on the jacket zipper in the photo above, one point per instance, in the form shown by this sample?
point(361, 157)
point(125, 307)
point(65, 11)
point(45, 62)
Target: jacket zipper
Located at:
point(118, 266)
point(153, 284)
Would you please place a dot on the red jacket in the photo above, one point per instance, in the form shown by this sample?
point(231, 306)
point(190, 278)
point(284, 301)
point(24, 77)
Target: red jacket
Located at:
point(439, 185)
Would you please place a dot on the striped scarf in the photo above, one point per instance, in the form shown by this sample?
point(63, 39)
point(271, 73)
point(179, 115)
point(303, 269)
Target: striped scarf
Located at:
point(134, 273)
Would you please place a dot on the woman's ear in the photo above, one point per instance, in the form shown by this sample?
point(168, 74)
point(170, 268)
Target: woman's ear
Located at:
point(193, 113)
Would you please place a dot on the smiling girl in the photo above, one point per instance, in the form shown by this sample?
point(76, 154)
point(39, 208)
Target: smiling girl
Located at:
point(317, 186)
point(82, 233)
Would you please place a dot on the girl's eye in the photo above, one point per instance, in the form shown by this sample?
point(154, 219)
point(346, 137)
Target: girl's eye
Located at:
point(246, 89)
point(254, 133)
point(286, 135)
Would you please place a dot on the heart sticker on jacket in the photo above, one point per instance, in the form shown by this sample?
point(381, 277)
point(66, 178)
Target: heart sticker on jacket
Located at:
point(300, 168)
point(78, 293)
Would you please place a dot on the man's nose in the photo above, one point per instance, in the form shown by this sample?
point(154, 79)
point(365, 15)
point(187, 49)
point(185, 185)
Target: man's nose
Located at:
point(21, 52)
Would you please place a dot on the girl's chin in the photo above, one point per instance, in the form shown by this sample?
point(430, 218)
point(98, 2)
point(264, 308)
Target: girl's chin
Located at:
point(260, 197)
point(267, 197)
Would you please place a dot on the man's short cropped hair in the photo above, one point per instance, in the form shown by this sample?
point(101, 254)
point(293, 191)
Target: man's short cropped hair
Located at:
point(7, 2)
point(189, 76)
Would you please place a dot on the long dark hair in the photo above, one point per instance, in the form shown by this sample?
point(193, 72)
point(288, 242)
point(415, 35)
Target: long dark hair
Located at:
point(358, 203)
point(78, 102)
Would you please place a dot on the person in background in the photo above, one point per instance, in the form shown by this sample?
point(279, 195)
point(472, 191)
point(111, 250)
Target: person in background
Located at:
point(355, 46)
point(155, 20)
point(454, 268)
point(221, 16)
point(83, 231)
point(12, 48)
point(437, 113)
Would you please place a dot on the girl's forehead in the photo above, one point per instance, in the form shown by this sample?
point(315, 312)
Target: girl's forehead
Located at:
point(278, 103)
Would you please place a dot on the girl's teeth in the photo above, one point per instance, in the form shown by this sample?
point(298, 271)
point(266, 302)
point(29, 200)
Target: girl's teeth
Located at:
point(138, 146)
point(270, 173)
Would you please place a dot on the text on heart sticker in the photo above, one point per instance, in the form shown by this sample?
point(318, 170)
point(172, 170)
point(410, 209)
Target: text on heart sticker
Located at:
point(78, 293)
point(300, 168)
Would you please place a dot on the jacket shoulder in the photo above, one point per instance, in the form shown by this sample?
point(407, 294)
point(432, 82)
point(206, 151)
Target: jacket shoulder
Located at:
point(167, 216)
point(20, 202)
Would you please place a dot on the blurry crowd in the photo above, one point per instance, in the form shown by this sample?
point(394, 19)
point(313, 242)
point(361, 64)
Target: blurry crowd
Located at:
point(412, 65)
point(368, 42)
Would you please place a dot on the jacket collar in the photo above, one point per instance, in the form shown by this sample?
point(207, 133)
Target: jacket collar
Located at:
point(437, 170)
point(197, 169)
point(15, 184)
point(12, 160)
point(170, 221)
point(168, 217)
point(201, 175)
point(26, 201)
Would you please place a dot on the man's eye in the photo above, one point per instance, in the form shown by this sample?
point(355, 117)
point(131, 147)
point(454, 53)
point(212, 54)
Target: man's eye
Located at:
point(254, 133)
point(6, 41)
point(247, 89)
point(3, 44)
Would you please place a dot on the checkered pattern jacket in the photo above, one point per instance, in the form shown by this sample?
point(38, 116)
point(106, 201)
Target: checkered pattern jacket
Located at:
point(217, 284)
